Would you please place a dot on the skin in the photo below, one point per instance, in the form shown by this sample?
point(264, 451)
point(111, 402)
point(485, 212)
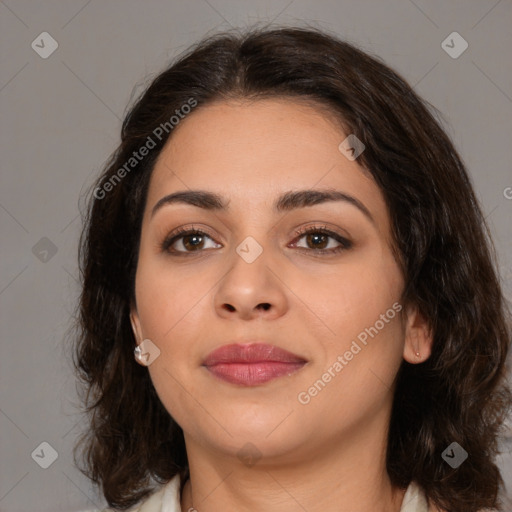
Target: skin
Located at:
point(328, 454)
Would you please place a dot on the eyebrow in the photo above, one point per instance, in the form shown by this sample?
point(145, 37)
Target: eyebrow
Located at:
point(288, 201)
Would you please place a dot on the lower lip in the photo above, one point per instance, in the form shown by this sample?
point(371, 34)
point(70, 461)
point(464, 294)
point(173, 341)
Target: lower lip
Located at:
point(252, 374)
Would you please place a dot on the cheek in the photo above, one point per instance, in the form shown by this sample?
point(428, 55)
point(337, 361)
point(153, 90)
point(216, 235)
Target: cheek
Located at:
point(169, 297)
point(169, 306)
point(355, 294)
point(363, 316)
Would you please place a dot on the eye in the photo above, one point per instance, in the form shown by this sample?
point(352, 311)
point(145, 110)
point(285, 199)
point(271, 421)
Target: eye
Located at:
point(192, 240)
point(318, 238)
point(185, 241)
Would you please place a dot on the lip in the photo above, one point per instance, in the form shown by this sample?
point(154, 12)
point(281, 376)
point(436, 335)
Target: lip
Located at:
point(251, 364)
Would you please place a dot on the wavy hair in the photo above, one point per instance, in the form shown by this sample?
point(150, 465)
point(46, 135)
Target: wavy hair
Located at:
point(440, 239)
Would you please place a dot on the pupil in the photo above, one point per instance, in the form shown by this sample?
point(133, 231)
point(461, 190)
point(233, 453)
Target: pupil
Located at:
point(315, 236)
point(193, 237)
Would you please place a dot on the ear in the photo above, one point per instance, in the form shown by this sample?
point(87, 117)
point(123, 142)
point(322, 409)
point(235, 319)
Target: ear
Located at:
point(418, 337)
point(135, 321)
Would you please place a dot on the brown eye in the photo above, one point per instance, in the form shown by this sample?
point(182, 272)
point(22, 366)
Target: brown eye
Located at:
point(185, 241)
point(317, 240)
point(192, 242)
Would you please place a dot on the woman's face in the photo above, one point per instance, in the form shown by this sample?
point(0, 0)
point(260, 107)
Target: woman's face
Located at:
point(251, 278)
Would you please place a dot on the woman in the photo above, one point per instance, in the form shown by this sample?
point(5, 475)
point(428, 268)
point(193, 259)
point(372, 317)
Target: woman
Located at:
point(289, 245)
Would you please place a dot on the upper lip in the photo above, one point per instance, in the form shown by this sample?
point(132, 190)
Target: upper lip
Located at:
point(250, 353)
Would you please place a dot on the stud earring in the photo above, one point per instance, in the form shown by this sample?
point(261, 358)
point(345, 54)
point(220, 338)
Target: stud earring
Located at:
point(137, 352)
point(146, 352)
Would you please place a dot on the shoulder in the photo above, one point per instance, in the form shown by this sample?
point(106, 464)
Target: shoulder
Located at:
point(433, 508)
point(415, 500)
point(167, 498)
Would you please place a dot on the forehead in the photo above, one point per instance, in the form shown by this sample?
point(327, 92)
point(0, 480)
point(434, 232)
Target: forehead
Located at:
point(251, 151)
point(271, 130)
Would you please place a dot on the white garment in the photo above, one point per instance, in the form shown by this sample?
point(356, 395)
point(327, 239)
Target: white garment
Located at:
point(167, 499)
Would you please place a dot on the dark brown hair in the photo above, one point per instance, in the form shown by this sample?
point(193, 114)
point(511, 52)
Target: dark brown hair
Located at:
point(440, 238)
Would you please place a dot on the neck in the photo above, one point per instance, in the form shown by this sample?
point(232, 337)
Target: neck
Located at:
point(347, 475)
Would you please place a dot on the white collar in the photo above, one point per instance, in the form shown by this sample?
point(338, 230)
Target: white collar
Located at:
point(414, 499)
point(167, 499)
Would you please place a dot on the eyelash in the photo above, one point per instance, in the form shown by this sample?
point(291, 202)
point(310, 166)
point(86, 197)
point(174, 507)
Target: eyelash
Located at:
point(182, 232)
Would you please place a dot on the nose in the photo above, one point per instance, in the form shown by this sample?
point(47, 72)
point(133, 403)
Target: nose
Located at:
point(251, 288)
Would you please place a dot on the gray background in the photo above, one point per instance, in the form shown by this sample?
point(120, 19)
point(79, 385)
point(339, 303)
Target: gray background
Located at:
point(60, 120)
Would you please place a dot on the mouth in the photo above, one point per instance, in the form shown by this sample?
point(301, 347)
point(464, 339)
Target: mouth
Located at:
point(252, 364)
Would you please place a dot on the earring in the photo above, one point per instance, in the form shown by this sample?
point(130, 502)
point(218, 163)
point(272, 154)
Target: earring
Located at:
point(146, 352)
point(417, 353)
point(137, 352)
